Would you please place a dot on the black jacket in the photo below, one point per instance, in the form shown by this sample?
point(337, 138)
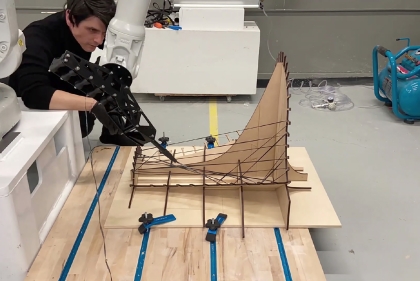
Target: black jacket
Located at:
point(45, 40)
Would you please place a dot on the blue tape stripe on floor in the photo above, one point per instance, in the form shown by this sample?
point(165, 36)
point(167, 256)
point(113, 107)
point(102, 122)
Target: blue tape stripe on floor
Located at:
point(213, 262)
point(142, 256)
point(89, 214)
point(283, 256)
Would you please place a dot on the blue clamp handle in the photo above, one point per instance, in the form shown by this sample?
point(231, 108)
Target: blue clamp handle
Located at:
point(213, 225)
point(175, 27)
point(144, 227)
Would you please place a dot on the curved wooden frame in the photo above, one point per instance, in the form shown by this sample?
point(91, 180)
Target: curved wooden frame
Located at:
point(250, 178)
point(257, 159)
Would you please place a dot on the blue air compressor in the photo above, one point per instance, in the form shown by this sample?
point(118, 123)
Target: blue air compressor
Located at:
point(399, 82)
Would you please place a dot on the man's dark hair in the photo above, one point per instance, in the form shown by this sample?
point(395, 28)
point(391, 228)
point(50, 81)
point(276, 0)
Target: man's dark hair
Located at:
point(80, 10)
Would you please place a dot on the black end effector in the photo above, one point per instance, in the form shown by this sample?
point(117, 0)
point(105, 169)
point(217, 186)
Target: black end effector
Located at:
point(116, 108)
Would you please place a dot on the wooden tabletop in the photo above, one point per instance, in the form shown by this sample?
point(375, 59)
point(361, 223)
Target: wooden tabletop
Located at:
point(74, 248)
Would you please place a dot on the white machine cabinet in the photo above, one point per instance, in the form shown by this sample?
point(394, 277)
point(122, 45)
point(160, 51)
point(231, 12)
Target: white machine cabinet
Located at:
point(37, 172)
point(215, 53)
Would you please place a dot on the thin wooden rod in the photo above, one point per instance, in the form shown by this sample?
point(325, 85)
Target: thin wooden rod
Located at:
point(167, 193)
point(242, 200)
point(144, 162)
point(226, 174)
point(214, 164)
point(158, 164)
point(204, 188)
point(137, 153)
point(217, 181)
point(243, 130)
point(132, 190)
point(173, 156)
point(287, 179)
point(257, 150)
point(275, 166)
point(215, 174)
point(287, 130)
point(210, 186)
point(273, 146)
point(212, 172)
point(227, 152)
point(299, 188)
point(204, 196)
point(198, 172)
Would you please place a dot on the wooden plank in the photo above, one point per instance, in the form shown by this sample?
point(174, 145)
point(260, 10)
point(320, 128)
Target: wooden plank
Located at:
point(303, 260)
point(172, 254)
point(56, 249)
point(254, 258)
point(257, 257)
point(177, 254)
point(183, 254)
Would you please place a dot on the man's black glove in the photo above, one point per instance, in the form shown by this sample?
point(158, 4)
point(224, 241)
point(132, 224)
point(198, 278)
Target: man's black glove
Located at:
point(101, 114)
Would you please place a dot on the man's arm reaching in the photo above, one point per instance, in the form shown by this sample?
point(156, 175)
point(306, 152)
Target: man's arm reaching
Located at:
point(67, 101)
point(33, 78)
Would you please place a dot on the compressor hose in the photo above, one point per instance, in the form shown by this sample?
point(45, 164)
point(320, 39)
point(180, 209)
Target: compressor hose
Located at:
point(317, 97)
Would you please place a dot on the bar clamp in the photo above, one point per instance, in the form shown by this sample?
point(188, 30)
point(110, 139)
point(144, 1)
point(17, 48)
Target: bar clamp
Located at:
point(213, 225)
point(148, 221)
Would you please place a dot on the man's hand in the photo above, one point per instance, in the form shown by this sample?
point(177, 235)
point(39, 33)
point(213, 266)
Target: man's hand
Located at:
point(100, 113)
point(89, 104)
point(62, 100)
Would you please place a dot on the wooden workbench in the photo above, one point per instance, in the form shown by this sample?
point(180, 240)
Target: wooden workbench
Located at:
point(74, 249)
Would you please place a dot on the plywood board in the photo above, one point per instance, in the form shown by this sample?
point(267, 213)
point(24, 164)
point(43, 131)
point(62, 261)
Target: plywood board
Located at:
point(262, 208)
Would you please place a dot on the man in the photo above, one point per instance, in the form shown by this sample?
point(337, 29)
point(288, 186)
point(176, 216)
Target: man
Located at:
point(80, 29)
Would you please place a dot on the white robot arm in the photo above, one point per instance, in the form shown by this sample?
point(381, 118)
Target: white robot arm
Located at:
point(12, 41)
point(125, 36)
point(12, 45)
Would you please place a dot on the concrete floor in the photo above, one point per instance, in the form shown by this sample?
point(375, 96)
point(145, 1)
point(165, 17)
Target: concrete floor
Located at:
point(359, 155)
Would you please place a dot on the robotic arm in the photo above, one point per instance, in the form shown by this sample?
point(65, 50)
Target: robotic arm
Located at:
point(125, 36)
point(109, 80)
point(12, 45)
